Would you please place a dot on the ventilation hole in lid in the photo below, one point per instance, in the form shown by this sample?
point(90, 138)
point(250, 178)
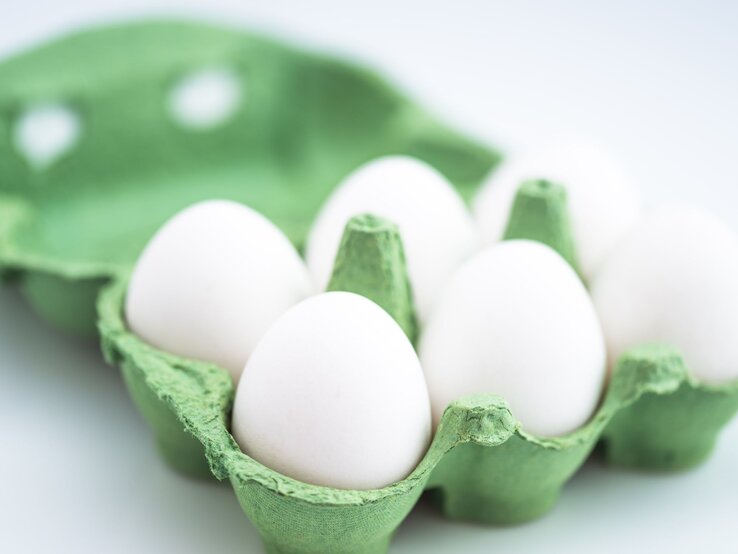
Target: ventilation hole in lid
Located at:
point(45, 132)
point(206, 98)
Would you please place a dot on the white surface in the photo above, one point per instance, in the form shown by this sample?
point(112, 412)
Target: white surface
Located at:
point(211, 282)
point(657, 81)
point(334, 395)
point(438, 234)
point(517, 320)
point(602, 200)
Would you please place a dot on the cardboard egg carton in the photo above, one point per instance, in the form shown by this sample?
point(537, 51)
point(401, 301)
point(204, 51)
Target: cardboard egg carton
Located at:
point(481, 466)
point(77, 226)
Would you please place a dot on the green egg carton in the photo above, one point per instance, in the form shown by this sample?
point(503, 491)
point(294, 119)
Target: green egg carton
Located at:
point(76, 228)
point(481, 466)
point(304, 121)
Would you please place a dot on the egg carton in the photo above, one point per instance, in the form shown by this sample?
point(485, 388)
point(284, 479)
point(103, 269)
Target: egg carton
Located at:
point(305, 120)
point(481, 466)
point(71, 229)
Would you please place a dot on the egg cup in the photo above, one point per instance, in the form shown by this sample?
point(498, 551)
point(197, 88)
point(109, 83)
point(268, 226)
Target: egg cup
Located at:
point(676, 426)
point(666, 419)
point(302, 122)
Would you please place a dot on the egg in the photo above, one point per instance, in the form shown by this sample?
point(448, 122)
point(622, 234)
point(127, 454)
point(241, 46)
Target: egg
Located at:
point(438, 233)
point(602, 200)
point(516, 321)
point(211, 281)
point(334, 395)
point(674, 280)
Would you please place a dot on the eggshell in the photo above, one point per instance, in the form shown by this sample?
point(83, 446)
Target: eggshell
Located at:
point(515, 320)
point(334, 395)
point(437, 231)
point(602, 200)
point(674, 280)
point(211, 281)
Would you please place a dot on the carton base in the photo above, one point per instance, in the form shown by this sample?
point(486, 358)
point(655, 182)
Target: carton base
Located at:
point(182, 451)
point(66, 304)
point(185, 457)
point(478, 508)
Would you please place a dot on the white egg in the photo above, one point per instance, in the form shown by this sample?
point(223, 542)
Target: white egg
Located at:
point(334, 395)
point(437, 231)
point(516, 321)
point(211, 281)
point(602, 200)
point(674, 280)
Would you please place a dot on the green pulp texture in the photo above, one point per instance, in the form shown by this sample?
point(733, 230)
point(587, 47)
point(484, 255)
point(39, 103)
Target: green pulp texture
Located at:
point(481, 465)
point(305, 122)
point(673, 431)
point(539, 213)
point(371, 262)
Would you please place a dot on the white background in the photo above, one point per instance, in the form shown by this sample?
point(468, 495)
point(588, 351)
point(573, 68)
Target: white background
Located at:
point(655, 80)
